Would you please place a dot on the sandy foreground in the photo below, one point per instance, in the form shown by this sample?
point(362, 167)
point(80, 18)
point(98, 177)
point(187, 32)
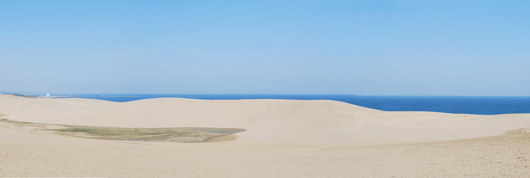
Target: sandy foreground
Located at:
point(283, 138)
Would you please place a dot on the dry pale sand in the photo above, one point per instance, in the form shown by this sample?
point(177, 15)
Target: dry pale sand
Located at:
point(283, 138)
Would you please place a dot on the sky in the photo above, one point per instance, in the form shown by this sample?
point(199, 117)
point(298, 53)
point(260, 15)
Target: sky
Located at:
point(398, 47)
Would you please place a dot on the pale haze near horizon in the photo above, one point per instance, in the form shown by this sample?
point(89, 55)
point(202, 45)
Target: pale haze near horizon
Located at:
point(462, 48)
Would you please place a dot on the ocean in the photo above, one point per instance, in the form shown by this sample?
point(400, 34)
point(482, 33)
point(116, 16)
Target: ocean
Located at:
point(446, 104)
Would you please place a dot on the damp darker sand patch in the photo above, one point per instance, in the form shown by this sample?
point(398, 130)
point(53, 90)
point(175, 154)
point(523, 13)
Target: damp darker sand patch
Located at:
point(172, 134)
point(518, 131)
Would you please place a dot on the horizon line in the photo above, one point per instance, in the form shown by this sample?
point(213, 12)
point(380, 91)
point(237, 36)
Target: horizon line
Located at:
point(44, 93)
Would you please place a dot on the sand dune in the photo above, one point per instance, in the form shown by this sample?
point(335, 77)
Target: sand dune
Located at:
point(283, 138)
point(280, 121)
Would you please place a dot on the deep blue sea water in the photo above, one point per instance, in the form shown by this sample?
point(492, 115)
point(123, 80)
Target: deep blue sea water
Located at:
point(446, 104)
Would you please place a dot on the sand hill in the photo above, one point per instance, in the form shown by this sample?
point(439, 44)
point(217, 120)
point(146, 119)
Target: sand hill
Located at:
point(282, 121)
point(283, 138)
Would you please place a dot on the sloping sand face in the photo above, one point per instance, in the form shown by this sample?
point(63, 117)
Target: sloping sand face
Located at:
point(282, 139)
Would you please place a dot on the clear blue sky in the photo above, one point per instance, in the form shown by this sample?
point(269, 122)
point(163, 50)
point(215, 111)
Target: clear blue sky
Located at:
point(399, 47)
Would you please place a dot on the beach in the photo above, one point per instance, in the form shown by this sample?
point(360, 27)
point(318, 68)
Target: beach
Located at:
point(281, 138)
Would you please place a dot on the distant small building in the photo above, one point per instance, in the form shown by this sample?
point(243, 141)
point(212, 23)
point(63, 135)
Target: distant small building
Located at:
point(48, 95)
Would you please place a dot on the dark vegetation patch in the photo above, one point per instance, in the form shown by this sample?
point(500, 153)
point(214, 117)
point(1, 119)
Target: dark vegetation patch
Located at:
point(172, 134)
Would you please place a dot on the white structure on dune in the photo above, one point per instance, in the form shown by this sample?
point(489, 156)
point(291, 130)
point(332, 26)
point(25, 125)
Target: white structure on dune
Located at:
point(48, 95)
